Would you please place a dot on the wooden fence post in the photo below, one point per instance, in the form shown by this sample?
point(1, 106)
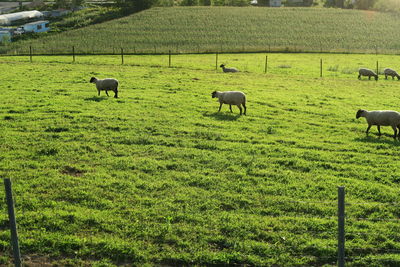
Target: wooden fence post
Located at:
point(13, 223)
point(341, 232)
point(73, 53)
point(122, 56)
point(377, 67)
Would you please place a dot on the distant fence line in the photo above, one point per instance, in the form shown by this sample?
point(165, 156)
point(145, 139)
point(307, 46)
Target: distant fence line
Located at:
point(122, 53)
point(341, 218)
point(136, 50)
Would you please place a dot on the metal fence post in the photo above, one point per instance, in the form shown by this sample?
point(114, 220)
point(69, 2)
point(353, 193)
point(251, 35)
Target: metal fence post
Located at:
point(169, 59)
point(341, 232)
point(73, 53)
point(320, 66)
point(30, 53)
point(266, 64)
point(13, 222)
point(216, 61)
point(122, 56)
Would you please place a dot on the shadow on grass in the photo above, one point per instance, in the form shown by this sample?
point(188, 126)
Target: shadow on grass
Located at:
point(223, 116)
point(375, 138)
point(96, 98)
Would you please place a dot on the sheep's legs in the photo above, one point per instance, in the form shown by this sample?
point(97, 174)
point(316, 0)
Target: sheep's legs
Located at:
point(240, 108)
point(369, 127)
point(220, 105)
point(359, 76)
point(244, 105)
point(230, 107)
point(107, 93)
point(379, 130)
point(98, 92)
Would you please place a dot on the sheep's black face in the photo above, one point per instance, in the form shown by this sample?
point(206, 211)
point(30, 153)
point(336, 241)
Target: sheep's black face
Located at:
point(376, 77)
point(359, 112)
point(214, 94)
point(92, 79)
point(222, 65)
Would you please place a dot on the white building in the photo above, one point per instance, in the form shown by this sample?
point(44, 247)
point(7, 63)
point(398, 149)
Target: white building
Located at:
point(37, 26)
point(275, 3)
point(8, 19)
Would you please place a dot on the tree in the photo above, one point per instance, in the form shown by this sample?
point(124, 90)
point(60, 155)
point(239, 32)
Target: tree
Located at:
point(340, 3)
point(135, 5)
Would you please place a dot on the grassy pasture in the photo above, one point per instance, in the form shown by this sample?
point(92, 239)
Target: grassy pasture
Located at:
point(228, 29)
point(159, 177)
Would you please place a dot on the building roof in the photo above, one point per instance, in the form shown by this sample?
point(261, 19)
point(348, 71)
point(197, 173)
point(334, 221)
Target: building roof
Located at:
point(37, 22)
point(7, 19)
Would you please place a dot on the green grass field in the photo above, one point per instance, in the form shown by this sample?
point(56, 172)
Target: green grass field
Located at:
point(159, 177)
point(227, 29)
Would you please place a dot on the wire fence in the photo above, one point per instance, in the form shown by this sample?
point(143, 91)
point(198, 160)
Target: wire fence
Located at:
point(315, 65)
point(342, 225)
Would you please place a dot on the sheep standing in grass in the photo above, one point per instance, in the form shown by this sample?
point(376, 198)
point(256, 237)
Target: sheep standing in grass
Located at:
point(228, 69)
point(381, 118)
point(390, 72)
point(231, 98)
point(107, 84)
point(367, 72)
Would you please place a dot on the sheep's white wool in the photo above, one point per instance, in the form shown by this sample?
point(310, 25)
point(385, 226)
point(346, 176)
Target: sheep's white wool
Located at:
point(231, 98)
point(391, 72)
point(381, 118)
point(228, 69)
point(108, 84)
point(367, 72)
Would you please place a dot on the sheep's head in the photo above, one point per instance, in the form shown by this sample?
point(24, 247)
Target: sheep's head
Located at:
point(376, 77)
point(359, 113)
point(222, 65)
point(93, 80)
point(214, 94)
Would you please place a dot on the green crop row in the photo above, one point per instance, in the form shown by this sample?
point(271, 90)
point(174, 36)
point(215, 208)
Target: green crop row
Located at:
point(228, 29)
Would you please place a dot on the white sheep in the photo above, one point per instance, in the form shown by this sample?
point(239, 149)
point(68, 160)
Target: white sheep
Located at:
point(381, 118)
point(228, 69)
point(390, 72)
point(367, 72)
point(108, 84)
point(231, 98)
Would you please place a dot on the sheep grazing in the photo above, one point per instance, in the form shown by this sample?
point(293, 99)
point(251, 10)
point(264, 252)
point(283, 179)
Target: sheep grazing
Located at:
point(228, 69)
point(367, 72)
point(390, 72)
point(231, 98)
point(107, 84)
point(381, 118)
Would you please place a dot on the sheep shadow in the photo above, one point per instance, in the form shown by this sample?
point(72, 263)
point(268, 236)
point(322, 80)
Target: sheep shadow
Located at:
point(383, 139)
point(223, 116)
point(96, 98)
